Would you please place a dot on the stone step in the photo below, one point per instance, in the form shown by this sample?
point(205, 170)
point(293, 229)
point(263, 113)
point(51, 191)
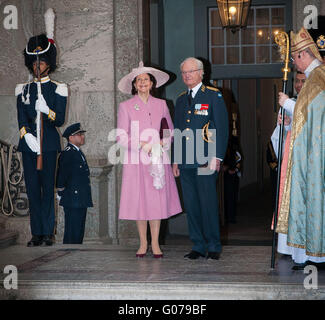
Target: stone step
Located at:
point(7, 238)
point(104, 290)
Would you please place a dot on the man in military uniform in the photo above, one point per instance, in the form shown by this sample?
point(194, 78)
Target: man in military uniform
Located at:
point(49, 100)
point(73, 185)
point(232, 172)
point(198, 160)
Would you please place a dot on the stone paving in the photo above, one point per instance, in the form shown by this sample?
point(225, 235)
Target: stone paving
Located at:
point(113, 272)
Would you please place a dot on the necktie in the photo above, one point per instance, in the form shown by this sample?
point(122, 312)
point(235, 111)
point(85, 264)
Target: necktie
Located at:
point(190, 97)
point(82, 156)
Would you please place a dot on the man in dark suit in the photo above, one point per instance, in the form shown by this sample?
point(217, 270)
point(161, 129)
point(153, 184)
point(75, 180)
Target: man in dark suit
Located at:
point(48, 99)
point(73, 185)
point(201, 117)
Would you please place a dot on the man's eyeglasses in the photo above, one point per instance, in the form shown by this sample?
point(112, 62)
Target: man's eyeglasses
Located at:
point(189, 72)
point(293, 60)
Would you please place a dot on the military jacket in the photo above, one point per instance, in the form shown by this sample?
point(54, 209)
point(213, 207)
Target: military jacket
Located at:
point(195, 119)
point(73, 176)
point(55, 95)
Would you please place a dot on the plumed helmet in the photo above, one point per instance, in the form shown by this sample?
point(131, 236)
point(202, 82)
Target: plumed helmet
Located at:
point(46, 52)
point(42, 45)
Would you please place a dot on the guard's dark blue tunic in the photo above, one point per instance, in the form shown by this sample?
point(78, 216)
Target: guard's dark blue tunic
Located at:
point(73, 178)
point(40, 184)
point(199, 191)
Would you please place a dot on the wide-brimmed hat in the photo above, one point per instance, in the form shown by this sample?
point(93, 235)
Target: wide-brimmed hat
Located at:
point(303, 40)
point(125, 84)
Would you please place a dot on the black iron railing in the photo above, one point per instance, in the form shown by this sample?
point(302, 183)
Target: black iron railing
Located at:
point(13, 197)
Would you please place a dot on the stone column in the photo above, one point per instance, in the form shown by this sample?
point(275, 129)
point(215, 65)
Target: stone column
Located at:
point(129, 49)
point(12, 67)
point(99, 223)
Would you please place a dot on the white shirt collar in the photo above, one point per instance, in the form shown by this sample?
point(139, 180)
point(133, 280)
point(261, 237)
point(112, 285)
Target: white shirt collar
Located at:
point(312, 66)
point(195, 89)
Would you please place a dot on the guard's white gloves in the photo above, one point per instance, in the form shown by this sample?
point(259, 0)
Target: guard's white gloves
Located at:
point(41, 105)
point(32, 142)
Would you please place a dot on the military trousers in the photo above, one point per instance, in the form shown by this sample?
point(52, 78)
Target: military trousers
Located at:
point(74, 225)
point(40, 191)
point(201, 205)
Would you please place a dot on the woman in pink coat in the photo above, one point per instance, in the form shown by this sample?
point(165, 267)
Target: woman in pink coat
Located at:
point(149, 191)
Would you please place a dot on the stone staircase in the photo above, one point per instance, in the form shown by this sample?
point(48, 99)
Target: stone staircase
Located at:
point(7, 237)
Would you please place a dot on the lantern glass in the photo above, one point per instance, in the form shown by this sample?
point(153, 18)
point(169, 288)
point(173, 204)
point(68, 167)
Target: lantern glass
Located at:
point(234, 13)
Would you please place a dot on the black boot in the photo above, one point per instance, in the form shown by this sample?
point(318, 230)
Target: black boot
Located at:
point(48, 240)
point(35, 241)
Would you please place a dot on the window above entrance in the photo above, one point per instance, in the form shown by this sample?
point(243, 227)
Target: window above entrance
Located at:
point(249, 52)
point(252, 45)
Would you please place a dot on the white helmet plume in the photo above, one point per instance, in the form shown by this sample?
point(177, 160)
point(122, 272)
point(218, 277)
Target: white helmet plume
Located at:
point(49, 23)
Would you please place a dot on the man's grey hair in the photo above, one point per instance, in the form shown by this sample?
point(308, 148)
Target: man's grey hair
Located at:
point(198, 62)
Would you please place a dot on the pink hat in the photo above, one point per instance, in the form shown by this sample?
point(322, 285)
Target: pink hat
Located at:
point(125, 84)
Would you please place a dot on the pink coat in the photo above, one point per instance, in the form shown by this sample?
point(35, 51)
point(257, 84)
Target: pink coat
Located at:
point(139, 199)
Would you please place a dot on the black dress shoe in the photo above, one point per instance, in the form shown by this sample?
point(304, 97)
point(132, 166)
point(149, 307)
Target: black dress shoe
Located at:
point(47, 240)
point(35, 241)
point(318, 265)
point(213, 255)
point(193, 255)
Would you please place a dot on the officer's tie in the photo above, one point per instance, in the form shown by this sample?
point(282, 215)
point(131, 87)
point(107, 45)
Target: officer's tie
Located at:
point(190, 98)
point(82, 155)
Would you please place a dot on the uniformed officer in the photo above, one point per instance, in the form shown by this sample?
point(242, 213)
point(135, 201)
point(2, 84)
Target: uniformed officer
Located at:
point(198, 160)
point(232, 172)
point(50, 102)
point(73, 185)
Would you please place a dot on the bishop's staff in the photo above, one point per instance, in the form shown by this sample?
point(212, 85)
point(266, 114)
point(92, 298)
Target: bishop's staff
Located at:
point(282, 40)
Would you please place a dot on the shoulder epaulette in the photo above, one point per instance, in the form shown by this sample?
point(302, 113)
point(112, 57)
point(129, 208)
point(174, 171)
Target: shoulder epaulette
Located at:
point(213, 88)
point(19, 88)
point(61, 88)
point(184, 92)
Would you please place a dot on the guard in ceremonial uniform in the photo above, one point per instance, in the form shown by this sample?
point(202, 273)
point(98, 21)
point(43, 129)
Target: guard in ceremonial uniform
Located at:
point(73, 185)
point(48, 99)
point(202, 118)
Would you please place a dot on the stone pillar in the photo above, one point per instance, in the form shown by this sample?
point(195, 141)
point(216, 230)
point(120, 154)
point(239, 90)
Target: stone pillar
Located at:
point(129, 49)
point(12, 68)
point(98, 222)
